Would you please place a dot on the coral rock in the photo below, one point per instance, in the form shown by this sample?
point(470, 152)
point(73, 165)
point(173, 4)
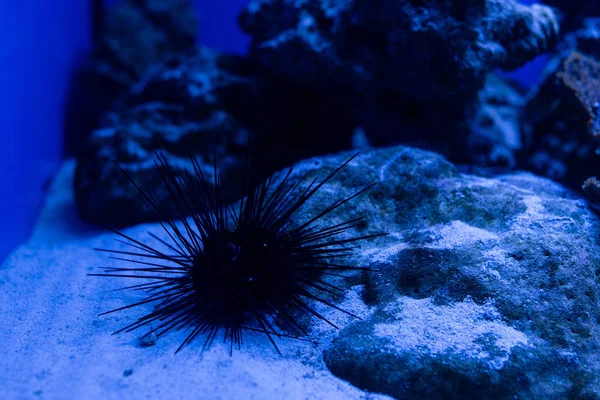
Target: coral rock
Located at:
point(136, 35)
point(176, 110)
point(561, 119)
point(581, 75)
point(200, 105)
point(141, 34)
point(433, 49)
point(409, 71)
point(494, 123)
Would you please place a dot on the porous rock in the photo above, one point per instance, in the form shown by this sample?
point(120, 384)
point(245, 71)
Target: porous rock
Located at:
point(440, 50)
point(133, 36)
point(139, 34)
point(561, 118)
point(485, 287)
point(176, 111)
point(349, 68)
point(591, 187)
point(408, 71)
point(203, 105)
point(494, 126)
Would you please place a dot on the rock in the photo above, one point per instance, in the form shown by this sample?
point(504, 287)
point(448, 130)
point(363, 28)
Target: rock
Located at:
point(139, 34)
point(591, 188)
point(561, 122)
point(581, 75)
point(133, 37)
point(173, 111)
point(432, 51)
point(486, 287)
point(395, 64)
point(347, 77)
point(199, 106)
point(494, 126)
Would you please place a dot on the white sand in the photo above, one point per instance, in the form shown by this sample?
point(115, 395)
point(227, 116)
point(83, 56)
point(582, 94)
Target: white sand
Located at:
point(53, 345)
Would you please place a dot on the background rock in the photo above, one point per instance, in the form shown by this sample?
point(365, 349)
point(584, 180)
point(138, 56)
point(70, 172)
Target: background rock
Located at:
point(139, 34)
point(317, 73)
point(561, 116)
point(134, 36)
point(180, 118)
point(397, 46)
point(201, 105)
point(398, 63)
point(494, 126)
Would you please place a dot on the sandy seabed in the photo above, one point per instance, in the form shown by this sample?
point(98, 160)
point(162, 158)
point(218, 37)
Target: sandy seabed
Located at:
point(53, 344)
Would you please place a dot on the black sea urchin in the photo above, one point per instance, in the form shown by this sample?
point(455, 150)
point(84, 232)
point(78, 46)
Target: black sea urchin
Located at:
point(251, 267)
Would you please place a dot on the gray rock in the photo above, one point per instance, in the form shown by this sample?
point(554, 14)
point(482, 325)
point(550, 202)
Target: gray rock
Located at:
point(133, 37)
point(561, 119)
point(494, 125)
point(433, 51)
point(139, 34)
point(486, 288)
point(349, 71)
point(410, 72)
point(176, 111)
point(591, 188)
point(200, 105)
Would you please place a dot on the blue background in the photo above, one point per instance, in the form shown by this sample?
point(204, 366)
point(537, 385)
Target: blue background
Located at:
point(43, 43)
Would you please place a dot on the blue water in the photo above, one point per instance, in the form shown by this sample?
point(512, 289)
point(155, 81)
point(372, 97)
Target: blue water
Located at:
point(42, 42)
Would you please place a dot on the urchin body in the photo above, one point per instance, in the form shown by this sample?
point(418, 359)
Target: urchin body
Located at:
point(232, 269)
point(249, 263)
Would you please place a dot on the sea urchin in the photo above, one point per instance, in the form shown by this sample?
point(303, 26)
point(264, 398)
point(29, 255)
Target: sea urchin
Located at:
point(225, 268)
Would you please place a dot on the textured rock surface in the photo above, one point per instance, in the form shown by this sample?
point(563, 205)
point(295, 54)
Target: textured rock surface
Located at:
point(430, 50)
point(485, 288)
point(318, 72)
point(489, 288)
point(591, 188)
point(581, 75)
point(200, 105)
point(409, 71)
point(134, 37)
point(494, 125)
point(139, 34)
point(562, 117)
point(180, 116)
